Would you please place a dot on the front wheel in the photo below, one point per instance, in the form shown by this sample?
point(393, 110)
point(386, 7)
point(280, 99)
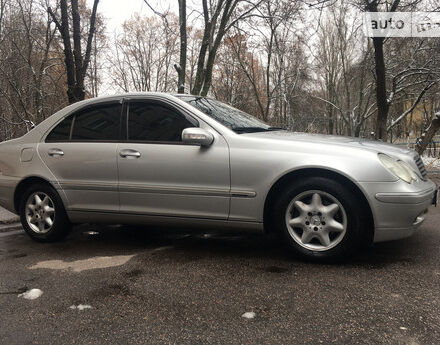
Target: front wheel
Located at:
point(320, 219)
point(43, 215)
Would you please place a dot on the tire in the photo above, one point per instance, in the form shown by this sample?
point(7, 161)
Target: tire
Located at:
point(303, 219)
point(39, 203)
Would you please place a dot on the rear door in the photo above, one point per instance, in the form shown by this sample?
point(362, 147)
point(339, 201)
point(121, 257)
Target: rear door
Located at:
point(81, 153)
point(160, 175)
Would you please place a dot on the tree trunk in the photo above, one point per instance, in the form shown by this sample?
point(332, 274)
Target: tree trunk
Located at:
point(76, 65)
point(68, 56)
point(330, 119)
point(210, 43)
point(200, 73)
point(183, 47)
point(381, 89)
point(78, 88)
point(428, 134)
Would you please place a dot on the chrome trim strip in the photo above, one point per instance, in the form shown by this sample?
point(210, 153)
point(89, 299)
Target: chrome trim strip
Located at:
point(137, 188)
point(243, 194)
point(172, 190)
point(148, 214)
point(88, 186)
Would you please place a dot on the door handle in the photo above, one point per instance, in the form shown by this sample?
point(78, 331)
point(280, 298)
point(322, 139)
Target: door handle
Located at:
point(129, 153)
point(55, 152)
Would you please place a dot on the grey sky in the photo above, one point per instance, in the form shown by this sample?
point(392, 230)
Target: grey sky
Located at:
point(117, 11)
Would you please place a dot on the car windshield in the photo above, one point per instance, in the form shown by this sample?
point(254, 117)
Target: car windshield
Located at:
point(237, 120)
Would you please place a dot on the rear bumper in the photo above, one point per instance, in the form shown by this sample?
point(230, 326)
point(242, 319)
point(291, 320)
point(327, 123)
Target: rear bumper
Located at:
point(7, 189)
point(399, 208)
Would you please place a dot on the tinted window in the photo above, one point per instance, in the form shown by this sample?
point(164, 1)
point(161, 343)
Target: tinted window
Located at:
point(62, 131)
point(154, 122)
point(98, 123)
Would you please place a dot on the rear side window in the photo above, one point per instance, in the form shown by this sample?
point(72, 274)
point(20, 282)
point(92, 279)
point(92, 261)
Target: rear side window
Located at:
point(62, 131)
point(154, 122)
point(97, 124)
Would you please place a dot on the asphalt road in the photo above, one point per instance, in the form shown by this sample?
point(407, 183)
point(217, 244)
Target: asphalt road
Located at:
point(179, 287)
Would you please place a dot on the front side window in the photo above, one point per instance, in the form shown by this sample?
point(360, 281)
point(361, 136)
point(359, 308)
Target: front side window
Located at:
point(154, 122)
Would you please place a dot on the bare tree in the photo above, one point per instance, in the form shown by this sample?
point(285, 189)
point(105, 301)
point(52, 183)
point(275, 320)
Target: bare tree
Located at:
point(272, 66)
point(76, 62)
point(414, 73)
point(342, 56)
point(30, 79)
point(218, 18)
point(380, 70)
point(144, 53)
point(238, 80)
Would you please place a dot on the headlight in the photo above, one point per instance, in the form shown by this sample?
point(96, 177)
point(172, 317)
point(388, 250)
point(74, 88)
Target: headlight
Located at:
point(408, 167)
point(399, 168)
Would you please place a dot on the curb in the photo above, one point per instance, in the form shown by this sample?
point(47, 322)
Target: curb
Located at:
point(10, 227)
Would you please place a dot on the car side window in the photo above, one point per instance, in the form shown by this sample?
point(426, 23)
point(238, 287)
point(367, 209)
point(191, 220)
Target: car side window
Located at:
point(101, 123)
point(153, 122)
point(61, 132)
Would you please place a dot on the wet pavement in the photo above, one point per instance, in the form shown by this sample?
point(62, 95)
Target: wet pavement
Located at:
point(155, 286)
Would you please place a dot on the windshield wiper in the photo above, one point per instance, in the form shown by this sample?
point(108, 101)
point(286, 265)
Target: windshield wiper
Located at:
point(255, 129)
point(276, 129)
point(249, 129)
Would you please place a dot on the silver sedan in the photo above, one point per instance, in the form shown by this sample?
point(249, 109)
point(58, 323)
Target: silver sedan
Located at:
point(174, 160)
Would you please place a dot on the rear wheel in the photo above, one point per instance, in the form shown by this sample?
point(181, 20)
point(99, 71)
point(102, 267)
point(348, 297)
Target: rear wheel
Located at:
point(320, 219)
point(43, 215)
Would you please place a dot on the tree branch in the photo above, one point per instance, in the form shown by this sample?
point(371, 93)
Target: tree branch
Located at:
point(413, 106)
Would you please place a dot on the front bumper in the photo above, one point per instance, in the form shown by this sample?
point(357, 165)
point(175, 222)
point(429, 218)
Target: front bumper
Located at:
point(399, 208)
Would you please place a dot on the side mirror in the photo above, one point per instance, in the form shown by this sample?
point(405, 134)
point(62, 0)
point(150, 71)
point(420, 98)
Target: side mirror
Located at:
point(199, 136)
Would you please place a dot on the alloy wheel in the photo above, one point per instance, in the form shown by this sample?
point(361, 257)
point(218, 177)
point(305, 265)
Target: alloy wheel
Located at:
point(316, 220)
point(40, 212)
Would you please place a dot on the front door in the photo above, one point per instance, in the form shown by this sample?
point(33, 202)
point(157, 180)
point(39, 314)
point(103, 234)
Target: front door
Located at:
point(160, 175)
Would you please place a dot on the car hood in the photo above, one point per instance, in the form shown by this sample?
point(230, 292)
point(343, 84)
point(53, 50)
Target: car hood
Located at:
point(336, 140)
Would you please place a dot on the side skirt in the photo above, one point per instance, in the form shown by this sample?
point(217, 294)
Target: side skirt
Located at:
point(142, 219)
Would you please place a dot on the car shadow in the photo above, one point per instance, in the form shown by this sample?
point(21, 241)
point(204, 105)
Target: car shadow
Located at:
point(189, 245)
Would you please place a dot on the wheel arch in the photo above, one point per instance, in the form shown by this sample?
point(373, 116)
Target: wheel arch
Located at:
point(316, 172)
point(26, 183)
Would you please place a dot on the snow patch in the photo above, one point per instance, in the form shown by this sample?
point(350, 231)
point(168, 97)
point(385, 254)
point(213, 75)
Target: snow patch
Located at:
point(403, 328)
point(249, 315)
point(159, 249)
point(81, 307)
point(91, 233)
point(83, 265)
point(31, 294)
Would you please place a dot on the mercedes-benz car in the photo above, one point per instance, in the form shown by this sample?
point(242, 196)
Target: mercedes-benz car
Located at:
point(182, 160)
